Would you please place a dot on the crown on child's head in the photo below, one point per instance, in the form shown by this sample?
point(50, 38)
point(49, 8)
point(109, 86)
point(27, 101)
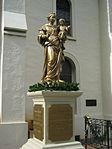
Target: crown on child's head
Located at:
point(61, 20)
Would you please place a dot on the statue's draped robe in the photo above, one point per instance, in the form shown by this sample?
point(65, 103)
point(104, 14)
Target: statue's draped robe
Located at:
point(52, 53)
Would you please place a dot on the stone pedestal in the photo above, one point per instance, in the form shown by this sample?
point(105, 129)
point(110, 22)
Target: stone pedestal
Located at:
point(53, 120)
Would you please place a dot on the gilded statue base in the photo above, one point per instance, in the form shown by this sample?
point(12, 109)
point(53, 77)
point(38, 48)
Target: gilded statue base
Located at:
point(53, 120)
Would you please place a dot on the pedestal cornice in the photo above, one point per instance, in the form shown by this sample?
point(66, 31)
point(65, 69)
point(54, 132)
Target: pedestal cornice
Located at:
point(74, 94)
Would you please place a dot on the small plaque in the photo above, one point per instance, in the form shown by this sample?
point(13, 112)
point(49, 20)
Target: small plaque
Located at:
point(91, 102)
point(38, 122)
point(60, 122)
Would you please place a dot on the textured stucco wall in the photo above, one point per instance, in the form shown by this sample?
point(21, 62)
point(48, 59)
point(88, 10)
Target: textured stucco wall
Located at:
point(13, 79)
point(13, 128)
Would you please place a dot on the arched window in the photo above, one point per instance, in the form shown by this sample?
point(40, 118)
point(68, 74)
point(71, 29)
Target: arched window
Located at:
point(68, 73)
point(63, 10)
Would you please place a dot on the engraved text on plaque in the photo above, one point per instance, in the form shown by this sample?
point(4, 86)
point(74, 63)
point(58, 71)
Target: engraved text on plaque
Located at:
point(60, 122)
point(38, 122)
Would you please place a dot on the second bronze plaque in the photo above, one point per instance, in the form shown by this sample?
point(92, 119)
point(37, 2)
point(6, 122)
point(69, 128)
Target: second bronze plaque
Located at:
point(60, 123)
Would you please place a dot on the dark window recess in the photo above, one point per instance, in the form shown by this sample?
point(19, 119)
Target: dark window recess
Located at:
point(66, 73)
point(91, 102)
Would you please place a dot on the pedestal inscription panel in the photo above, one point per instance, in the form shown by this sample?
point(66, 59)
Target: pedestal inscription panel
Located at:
point(60, 122)
point(38, 122)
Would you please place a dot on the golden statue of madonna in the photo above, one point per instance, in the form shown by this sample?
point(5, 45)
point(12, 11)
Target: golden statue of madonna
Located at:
point(52, 38)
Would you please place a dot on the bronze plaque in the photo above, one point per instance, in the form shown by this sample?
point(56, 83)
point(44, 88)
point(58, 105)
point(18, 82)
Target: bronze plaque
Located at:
point(38, 122)
point(60, 122)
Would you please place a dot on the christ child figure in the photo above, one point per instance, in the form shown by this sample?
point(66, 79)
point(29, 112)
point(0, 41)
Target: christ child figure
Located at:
point(63, 30)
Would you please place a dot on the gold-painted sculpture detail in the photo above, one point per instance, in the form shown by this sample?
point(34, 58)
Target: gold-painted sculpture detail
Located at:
point(52, 38)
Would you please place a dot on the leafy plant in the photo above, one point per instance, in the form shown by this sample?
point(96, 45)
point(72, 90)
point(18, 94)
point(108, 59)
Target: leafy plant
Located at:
point(61, 86)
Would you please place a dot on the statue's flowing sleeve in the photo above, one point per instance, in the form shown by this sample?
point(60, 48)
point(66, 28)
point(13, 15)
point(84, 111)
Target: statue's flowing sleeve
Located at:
point(42, 35)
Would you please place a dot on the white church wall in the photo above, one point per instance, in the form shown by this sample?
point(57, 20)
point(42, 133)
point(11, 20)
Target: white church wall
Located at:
point(13, 125)
point(86, 49)
point(1, 52)
point(106, 49)
point(16, 6)
point(13, 79)
point(13, 128)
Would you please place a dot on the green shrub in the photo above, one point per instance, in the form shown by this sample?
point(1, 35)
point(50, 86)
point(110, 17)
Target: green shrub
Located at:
point(62, 86)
